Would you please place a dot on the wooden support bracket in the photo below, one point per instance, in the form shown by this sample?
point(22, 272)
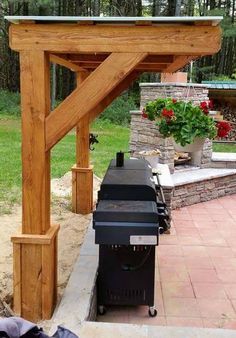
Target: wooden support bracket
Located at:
point(35, 283)
point(87, 96)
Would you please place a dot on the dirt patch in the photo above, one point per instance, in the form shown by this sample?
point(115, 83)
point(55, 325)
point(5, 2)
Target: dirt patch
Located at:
point(71, 235)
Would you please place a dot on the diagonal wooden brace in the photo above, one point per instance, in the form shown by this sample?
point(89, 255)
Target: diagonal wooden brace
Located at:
point(89, 94)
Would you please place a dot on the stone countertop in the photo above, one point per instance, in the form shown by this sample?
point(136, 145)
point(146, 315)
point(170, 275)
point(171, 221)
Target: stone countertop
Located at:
point(227, 157)
point(197, 175)
point(164, 175)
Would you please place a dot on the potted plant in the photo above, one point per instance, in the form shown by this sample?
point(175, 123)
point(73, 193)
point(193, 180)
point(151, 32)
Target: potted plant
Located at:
point(186, 123)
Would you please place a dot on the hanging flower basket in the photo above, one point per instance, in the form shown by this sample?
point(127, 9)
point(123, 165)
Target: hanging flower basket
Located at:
point(184, 121)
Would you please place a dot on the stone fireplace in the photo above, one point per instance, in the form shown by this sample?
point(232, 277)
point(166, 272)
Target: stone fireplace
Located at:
point(145, 134)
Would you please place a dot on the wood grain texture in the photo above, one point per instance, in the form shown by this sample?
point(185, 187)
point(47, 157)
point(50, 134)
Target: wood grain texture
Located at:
point(17, 279)
point(144, 67)
point(31, 282)
point(163, 39)
point(98, 58)
point(35, 103)
point(89, 94)
point(37, 239)
point(82, 133)
point(84, 188)
point(48, 275)
point(55, 270)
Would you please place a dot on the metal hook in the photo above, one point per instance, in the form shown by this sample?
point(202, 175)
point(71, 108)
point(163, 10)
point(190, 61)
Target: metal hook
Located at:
point(92, 139)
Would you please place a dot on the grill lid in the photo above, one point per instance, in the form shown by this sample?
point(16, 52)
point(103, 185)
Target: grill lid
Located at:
point(126, 211)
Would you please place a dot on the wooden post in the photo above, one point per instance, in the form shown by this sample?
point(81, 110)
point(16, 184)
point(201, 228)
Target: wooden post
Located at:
point(82, 172)
point(35, 267)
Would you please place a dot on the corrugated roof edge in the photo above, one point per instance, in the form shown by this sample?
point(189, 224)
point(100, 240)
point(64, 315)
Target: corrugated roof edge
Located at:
point(16, 19)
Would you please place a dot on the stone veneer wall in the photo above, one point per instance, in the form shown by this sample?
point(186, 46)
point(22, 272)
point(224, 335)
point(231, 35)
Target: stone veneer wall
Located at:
point(145, 134)
point(202, 191)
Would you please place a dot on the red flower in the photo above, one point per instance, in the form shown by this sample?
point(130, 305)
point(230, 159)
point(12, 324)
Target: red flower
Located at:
point(203, 105)
point(205, 111)
point(210, 104)
point(144, 114)
point(224, 128)
point(174, 100)
point(168, 114)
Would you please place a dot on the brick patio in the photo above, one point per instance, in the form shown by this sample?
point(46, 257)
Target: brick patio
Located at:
point(195, 270)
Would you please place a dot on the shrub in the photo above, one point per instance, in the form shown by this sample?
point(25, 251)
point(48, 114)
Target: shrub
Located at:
point(9, 103)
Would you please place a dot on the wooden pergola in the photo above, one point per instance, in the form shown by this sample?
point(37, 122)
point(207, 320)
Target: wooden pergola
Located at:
point(106, 54)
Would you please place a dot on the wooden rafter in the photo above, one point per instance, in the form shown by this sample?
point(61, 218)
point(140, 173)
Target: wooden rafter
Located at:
point(98, 58)
point(179, 39)
point(141, 67)
point(90, 93)
point(65, 63)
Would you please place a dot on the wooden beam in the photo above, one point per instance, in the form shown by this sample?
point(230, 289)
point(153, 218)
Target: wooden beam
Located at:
point(90, 93)
point(34, 276)
point(35, 103)
point(65, 63)
point(82, 173)
point(98, 58)
point(82, 133)
point(143, 67)
point(179, 62)
point(163, 39)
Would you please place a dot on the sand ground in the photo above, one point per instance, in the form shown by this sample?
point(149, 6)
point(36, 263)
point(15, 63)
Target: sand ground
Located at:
point(72, 231)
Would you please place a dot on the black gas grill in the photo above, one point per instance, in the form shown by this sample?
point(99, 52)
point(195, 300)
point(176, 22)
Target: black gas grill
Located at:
point(126, 222)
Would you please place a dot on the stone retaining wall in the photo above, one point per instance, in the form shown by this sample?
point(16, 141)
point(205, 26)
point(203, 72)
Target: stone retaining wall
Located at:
point(202, 191)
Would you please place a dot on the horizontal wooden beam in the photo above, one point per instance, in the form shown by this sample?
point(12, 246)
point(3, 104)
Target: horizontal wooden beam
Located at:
point(65, 63)
point(98, 58)
point(163, 39)
point(89, 94)
point(143, 67)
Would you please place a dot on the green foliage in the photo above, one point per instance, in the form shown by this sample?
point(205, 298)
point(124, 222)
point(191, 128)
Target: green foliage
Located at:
point(9, 103)
point(181, 120)
point(221, 77)
point(119, 111)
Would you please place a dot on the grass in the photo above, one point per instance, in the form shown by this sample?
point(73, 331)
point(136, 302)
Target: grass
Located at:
point(112, 138)
point(224, 148)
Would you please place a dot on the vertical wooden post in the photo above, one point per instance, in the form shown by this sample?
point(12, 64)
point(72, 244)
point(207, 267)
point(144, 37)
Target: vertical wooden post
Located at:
point(34, 263)
point(82, 172)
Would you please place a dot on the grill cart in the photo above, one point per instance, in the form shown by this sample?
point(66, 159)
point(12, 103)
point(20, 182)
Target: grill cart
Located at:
point(127, 222)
